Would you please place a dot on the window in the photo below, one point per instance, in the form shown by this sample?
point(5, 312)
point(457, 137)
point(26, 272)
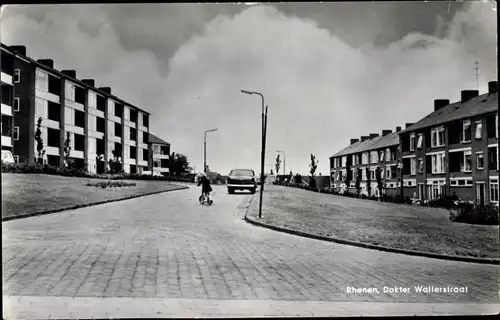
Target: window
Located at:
point(420, 140)
point(413, 166)
point(388, 155)
point(133, 134)
point(467, 161)
point(412, 142)
point(381, 156)
point(437, 137)
point(492, 158)
point(54, 112)
point(133, 115)
point(16, 158)
point(466, 131)
point(17, 76)
point(15, 133)
point(145, 120)
point(364, 159)
point(354, 160)
point(54, 138)
point(118, 129)
point(373, 157)
point(479, 161)
point(79, 142)
point(494, 190)
point(80, 119)
point(145, 154)
point(42, 80)
point(164, 163)
point(388, 173)
point(372, 174)
point(100, 124)
point(479, 130)
point(156, 163)
point(438, 165)
point(420, 165)
point(344, 161)
point(16, 104)
point(118, 110)
point(453, 182)
point(133, 152)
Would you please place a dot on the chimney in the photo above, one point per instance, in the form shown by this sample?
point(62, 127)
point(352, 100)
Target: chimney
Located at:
point(21, 50)
point(105, 89)
point(386, 132)
point(89, 82)
point(440, 103)
point(492, 87)
point(468, 94)
point(47, 62)
point(408, 124)
point(364, 138)
point(398, 129)
point(353, 141)
point(69, 73)
point(373, 135)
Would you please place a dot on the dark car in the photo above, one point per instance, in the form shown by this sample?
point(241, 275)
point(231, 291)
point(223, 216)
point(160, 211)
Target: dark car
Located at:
point(241, 179)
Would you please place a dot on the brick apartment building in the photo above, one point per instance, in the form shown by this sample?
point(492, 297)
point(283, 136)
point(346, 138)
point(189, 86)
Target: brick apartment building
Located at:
point(454, 149)
point(160, 155)
point(366, 154)
point(101, 126)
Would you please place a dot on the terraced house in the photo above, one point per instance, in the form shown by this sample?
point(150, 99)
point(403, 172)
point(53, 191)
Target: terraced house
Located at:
point(365, 155)
point(454, 149)
point(101, 126)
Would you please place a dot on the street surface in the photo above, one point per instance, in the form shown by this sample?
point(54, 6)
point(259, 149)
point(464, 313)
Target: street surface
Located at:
point(168, 246)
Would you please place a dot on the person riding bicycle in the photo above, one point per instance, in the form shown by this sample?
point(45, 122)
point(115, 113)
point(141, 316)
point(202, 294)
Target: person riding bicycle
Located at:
point(206, 188)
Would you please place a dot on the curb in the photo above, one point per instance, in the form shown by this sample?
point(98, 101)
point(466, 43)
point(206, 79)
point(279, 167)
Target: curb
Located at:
point(371, 246)
point(40, 213)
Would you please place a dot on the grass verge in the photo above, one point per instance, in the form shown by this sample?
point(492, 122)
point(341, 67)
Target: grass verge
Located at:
point(29, 193)
point(398, 226)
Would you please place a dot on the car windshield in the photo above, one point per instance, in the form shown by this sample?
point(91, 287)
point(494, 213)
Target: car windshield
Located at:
point(242, 173)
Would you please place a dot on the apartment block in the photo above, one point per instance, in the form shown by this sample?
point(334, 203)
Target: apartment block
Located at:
point(9, 105)
point(160, 155)
point(101, 127)
point(454, 149)
point(365, 155)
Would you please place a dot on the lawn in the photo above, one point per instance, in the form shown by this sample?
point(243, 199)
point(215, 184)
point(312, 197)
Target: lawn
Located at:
point(29, 193)
point(386, 224)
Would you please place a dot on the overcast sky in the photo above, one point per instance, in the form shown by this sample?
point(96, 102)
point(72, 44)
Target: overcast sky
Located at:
point(329, 72)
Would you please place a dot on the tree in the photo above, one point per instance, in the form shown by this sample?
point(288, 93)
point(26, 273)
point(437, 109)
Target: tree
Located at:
point(278, 164)
point(67, 150)
point(313, 167)
point(39, 141)
point(359, 177)
point(380, 183)
point(179, 164)
point(369, 182)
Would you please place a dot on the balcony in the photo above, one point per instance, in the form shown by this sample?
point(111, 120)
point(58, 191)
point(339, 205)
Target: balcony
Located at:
point(6, 78)
point(6, 141)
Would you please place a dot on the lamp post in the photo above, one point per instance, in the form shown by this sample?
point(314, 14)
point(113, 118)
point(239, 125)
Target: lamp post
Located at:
point(205, 149)
point(262, 154)
point(284, 161)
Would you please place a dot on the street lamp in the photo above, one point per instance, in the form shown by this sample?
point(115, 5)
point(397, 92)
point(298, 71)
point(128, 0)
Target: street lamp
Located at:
point(205, 149)
point(284, 161)
point(262, 154)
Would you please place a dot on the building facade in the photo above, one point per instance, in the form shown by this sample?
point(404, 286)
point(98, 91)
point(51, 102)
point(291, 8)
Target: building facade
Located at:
point(7, 99)
point(159, 161)
point(454, 150)
point(101, 127)
point(365, 156)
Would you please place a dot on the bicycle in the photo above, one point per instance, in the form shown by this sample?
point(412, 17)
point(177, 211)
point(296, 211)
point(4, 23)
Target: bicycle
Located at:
point(205, 199)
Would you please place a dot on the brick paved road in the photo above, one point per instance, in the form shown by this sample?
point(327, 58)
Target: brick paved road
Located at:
point(169, 246)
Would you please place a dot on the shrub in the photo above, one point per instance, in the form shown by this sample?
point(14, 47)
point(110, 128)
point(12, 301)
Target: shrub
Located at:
point(469, 213)
point(111, 184)
point(399, 199)
point(442, 202)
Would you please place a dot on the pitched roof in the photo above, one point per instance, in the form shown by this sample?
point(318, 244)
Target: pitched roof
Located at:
point(154, 139)
point(482, 104)
point(372, 144)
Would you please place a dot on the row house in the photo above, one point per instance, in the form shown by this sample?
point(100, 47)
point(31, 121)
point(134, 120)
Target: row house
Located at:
point(101, 127)
point(160, 155)
point(365, 156)
point(454, 149)
point(7, 99)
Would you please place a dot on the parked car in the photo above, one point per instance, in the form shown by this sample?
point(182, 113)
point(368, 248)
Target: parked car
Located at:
point(241, 179)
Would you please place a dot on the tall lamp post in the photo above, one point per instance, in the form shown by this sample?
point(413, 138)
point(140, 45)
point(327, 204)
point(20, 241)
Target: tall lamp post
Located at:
point(205, 149)
point(284, 161)
point(262, 154)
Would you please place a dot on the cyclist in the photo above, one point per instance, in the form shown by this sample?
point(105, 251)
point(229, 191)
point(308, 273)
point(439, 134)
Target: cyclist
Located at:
point(206, 188)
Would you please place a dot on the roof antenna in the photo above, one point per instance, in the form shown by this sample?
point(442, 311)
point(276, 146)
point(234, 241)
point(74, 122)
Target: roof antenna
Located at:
point(477, 74)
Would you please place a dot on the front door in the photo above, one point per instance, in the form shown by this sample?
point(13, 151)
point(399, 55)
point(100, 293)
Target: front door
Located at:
point(421, 191)
point(480, 193)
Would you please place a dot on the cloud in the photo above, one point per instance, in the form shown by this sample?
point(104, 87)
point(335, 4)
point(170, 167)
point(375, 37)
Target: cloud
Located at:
point(321, 89)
